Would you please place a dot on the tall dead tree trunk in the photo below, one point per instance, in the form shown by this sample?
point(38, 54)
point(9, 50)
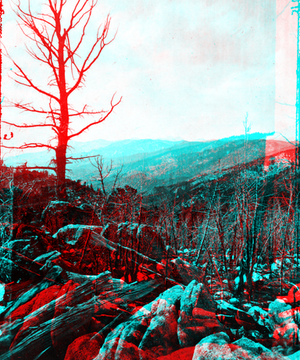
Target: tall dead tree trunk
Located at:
point(68, 67)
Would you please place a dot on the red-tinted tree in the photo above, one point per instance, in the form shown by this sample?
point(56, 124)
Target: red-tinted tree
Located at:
point(56, 49)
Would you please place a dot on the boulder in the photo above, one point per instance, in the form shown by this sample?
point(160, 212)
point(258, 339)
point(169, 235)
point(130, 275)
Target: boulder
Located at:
point(160, 337)
point(184, 272)
point(22, 293)
point(251, 346)
point(197, 315)
point(84, 347)
point(76, 235)
point(142, 238)
point(181, 354)
point(49, 256)
point(42, 304)
point(58, 214)
point(257, 350)
point(220, 338)
point(284, 323)
point(287, 335)
point(47, 332)
point(295, 356)
point(244, 348)
point(261, 316)
point(122, 343)
point(16, 259)
point(293, 297)
point(14, 290)
point(41, 299)
point(135, 338)
point(212, 343)
point(68, 299)
point(270, 290)
point(279, 313)
point(215, 352)
point(136, 245)
point(80, 247)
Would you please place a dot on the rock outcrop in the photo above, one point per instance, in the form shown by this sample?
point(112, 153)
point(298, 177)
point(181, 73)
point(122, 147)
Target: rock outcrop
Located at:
point(58, 214)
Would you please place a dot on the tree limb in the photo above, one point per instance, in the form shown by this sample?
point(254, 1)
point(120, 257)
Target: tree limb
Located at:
point(29, 146)
point(98, 121)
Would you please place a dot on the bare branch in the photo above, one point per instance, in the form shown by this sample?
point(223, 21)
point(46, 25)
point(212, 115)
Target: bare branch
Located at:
point(29, 14)
point(30, 83)
point(29, 108)
point(27, 19)
point(29, 146)
point(26, 126)
point(98, 121)
point(81, 158)
point(81, 113)
point(82, 35)
point(85, 66)
point(118, 175)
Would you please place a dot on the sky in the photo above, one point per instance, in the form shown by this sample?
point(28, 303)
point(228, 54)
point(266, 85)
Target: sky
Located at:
point(185, 69)
point(286, 64)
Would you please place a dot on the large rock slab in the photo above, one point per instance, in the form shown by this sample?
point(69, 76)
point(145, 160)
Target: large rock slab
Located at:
point(258, 351)
point(85, 347)
point(279, 313)
point(216, 348)
point(284, 322)
point(47, 332)
point(181, 354)
point(218, 352)
point(142, 238)
point(38, 311)
point(160, 337)
point(197, 315)
point(58, 214)
point(149, 333)
point(16, 259)
point(184, 272)
point(76, 235)
point(41, 299)
point(81, 248)
point(122, 343)
point(136, 245)
point(67, 299)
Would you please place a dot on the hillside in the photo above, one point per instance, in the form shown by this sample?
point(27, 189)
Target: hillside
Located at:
point(149, 163)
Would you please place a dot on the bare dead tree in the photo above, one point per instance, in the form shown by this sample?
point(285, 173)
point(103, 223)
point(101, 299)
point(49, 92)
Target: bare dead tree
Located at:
point(103, 172)
point(98, 163)
point(68, 66)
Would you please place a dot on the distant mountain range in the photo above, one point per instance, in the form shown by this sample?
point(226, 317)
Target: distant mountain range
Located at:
point(150, 163)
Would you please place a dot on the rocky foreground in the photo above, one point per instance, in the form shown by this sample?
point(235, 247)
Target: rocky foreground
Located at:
point(80, 292)
point(98, 317)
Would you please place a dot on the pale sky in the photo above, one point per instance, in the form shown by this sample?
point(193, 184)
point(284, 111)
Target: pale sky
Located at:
point(286, 64)
point(186, 69)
